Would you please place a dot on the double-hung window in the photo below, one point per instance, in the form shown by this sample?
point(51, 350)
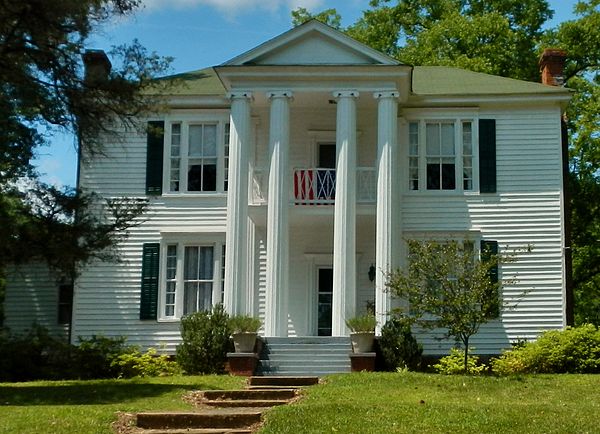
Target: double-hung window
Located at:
point(192, 278)
point(197, 156)
point(441, 155)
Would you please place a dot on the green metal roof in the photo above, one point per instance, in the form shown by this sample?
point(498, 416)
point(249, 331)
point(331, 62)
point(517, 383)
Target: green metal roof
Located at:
point(200, 82)
point(443, 80)
point(426, 81)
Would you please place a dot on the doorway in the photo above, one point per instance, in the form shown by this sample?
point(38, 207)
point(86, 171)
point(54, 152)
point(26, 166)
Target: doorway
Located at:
point(327, 156)
point(324, 300)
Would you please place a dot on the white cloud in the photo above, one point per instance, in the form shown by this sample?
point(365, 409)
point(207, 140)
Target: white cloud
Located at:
point(233, 7)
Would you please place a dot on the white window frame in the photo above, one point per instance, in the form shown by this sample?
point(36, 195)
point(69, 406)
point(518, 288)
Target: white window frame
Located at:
point(457, 117)
point(186, 119)
point(182, 241)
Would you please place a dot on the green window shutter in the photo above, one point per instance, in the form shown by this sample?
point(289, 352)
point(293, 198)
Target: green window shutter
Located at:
point(488, 249)
point(149, 294)
point(487, 155)
point(154, 157)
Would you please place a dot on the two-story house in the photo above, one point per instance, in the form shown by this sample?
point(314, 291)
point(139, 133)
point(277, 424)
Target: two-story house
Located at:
point(285, 182)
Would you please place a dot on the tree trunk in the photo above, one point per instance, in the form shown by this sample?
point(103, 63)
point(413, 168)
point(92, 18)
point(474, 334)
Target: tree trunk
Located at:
point(466, 360)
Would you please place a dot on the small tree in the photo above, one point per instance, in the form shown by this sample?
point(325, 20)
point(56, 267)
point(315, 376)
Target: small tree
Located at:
point(446, 286)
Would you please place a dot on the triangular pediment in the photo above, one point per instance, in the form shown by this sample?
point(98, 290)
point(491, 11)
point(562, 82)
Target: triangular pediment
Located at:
point(312, 43)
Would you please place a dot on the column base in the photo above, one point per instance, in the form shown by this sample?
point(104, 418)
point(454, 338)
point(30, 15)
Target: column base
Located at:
point(362, 362)
point(241, 364)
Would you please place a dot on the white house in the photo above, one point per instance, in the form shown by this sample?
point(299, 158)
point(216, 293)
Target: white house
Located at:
point(281, 180)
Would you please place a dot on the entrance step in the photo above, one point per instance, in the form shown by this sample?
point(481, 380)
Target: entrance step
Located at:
point(278, 394)
point(197, 431)
point(283, 381)
point(310, 355)
point(209, 418)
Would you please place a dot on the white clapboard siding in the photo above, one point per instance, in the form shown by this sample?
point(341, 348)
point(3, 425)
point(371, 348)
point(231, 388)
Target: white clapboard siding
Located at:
point(32, 297)
point(524, 212)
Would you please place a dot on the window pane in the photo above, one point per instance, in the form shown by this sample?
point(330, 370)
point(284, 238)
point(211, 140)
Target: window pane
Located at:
point(206, 263)
point(205, 296)
point(448, 175)
point(209, 176)
point(433, 139)
point(210, 141)
point(433, 176)
point(190, 297)
point(195, 141)
point(191, 263)
point(467, 138)
point(448, 139)
point(195, 178)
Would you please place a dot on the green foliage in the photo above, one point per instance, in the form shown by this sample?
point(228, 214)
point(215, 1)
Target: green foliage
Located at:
point(95, 356)
point(148, 364)
point(454, 364)
point(244, 324)
point(44, 88)
point(446, 287)
point(362, 323)
point(573, 350)
point(397, 345)
point(330, 17)
point(205, 341)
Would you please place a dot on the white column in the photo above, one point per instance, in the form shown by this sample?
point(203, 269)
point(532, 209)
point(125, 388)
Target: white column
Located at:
point(276, 313)
point(344, 225)
point(236, 252)
point(387, 144)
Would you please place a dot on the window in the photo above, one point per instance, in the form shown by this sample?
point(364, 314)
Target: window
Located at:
point(65, 303)
point(197, 156)
point(193, 278)
point(440, 155)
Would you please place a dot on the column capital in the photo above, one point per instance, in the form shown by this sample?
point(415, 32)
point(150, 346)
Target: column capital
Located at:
point(239, 94)
point(280, 94)
point(386, 94)
point(345, 93)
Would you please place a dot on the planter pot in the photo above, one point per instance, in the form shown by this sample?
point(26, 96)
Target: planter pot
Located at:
point(244, 342)
point(362, 342)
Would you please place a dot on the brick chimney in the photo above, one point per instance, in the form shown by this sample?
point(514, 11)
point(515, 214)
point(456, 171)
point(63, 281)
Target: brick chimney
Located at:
point(552, 65)
point(97, 66)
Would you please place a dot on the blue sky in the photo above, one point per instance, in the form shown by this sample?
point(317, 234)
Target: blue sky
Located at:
point(200, 33)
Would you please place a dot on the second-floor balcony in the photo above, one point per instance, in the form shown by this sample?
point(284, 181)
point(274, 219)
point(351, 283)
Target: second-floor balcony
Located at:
point(316, 186)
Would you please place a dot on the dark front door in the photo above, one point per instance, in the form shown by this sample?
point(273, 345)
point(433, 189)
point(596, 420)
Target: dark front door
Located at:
point(327, 155)
point(324, 300)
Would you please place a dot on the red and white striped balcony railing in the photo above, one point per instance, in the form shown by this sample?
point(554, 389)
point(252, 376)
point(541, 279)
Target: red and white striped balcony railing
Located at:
point(317, 186)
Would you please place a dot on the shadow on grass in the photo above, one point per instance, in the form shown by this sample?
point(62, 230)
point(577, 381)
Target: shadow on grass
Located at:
point(87, 394)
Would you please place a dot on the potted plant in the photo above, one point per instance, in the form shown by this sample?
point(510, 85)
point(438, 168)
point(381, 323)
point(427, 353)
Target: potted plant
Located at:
point(363, 332)
point(244, 330)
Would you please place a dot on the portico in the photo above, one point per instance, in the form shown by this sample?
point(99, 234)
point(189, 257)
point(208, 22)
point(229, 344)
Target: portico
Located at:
point(267, 90)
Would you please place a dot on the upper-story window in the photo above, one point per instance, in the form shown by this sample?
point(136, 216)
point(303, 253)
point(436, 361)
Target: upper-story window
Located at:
point(441, 155)
point(197, 156)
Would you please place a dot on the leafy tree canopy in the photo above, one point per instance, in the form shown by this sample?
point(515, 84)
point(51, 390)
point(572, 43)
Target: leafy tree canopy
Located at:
point(44, 89)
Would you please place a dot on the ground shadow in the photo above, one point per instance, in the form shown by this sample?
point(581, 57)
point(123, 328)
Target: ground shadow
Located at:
point(87, 394)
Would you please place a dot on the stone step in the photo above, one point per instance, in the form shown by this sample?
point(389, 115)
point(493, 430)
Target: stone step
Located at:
point(290, 381)
point(320, 340)
point(320, 373)
point(272, 348)
point(208, 418)
point(276, 394)
point(246, 402)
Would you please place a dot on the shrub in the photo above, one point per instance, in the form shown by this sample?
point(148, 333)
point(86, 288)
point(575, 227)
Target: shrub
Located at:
point(205, 341)
point(95, 356)
point(362, 323)
point(454, 364)
point(398, 347)
point(148, 364)
point(573, 350)
point(244, 324)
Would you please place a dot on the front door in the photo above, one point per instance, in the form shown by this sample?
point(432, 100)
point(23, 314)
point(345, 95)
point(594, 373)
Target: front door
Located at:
point(324, 299)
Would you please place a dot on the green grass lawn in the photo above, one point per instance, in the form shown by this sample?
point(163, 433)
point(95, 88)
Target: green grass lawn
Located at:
point(430, 403)
point(85, 407)
point(350, 403)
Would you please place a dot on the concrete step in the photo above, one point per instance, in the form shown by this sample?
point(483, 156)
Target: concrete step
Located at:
point(276, 394)
point(289, 381)
point(246, 403)
point(207, 418)
point(308, 340)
